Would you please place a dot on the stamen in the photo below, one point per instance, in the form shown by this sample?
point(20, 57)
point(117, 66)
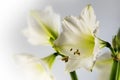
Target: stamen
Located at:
point(77, 52)
point(65, 59)
point(74, 53)
point(71, 49)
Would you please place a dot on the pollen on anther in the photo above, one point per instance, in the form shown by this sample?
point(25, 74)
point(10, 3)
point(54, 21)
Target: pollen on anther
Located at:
point(77, 52)
point(71, 49)
point(65, 59)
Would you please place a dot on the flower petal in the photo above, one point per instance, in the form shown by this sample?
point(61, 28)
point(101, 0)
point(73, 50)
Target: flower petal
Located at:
point(42, 26)
point(104, 65)
point(87, 63)
point(33, 68)
point(88, 18)
point(35, 37)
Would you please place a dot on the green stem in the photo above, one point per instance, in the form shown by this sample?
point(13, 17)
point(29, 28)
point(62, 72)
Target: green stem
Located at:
point(113, 71)
point(118, 71)
point(73, 75)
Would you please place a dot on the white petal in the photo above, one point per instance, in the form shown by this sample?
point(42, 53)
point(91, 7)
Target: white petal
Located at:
point(104, 65)
point(42, 25)
point(88, 18)
point(33, 68)
point(48, 20)
point(96, 50)
point(86, 63)
point(35, 37)
point(86, 23)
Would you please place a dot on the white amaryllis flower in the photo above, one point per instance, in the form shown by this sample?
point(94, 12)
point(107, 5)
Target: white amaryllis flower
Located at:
point(33, 67)
point(78, 41)
point(104, 66)
point(42, 27)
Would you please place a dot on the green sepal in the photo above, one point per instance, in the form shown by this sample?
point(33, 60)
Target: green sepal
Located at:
point(49, 60)
point(103, 43)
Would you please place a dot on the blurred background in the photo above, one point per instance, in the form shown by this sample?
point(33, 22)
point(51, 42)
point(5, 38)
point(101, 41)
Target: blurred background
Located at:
point(13, 19)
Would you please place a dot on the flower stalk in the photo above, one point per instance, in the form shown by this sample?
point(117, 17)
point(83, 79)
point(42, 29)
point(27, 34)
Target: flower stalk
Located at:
point(113, 71)
point(118, 71)
point(73, 75)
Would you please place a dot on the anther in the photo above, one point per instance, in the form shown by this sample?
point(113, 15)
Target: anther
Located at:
point(71, 49)
point(77, 52)
point(65, 59)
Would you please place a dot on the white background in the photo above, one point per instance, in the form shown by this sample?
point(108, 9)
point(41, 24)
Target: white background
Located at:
point(13, 19)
